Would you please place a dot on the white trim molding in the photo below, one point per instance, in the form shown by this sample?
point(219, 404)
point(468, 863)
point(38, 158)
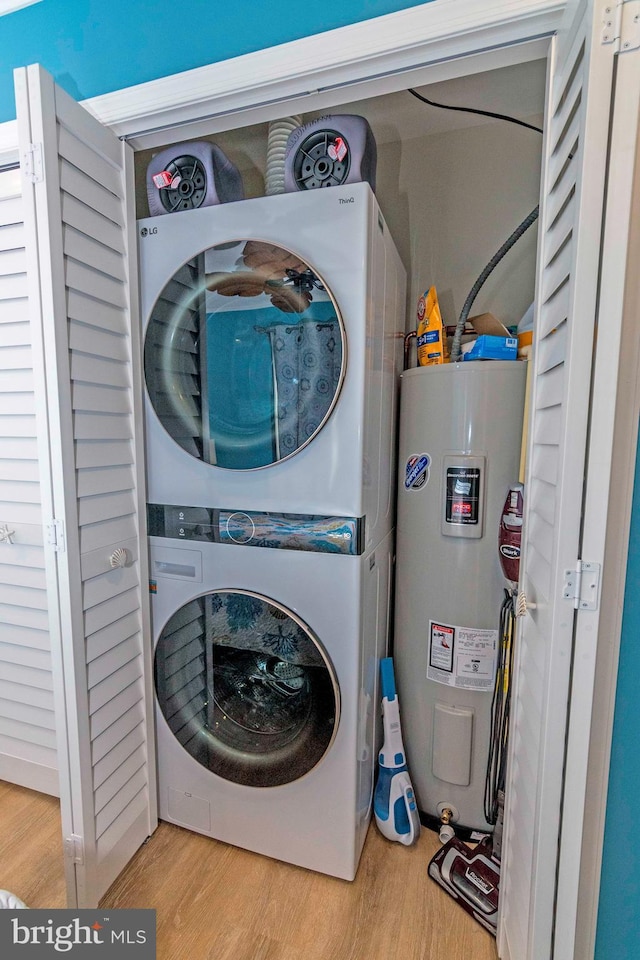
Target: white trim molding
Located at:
point(10, 6)
point(8, 143)
point(254, 87)
point(422, 35)
point(427, 34)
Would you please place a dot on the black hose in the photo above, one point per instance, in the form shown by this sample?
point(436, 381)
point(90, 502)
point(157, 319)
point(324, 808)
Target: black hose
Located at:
point(456, 346)
point(500, 709)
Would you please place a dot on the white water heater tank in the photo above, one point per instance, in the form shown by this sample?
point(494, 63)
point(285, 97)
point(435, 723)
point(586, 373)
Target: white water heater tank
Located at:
point(460, 438)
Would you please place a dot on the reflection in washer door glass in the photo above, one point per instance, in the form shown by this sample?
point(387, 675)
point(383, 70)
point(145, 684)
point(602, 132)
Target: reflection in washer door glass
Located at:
point(244, 355)
point(246, 689)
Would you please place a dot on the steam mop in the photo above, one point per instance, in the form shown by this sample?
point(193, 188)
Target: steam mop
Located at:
point(394, 803)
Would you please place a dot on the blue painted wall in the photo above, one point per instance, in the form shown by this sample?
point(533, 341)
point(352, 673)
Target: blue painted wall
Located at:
point(618, 936)
point(93, 47)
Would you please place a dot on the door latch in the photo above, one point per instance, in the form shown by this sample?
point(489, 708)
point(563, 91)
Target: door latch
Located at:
point(74, 848)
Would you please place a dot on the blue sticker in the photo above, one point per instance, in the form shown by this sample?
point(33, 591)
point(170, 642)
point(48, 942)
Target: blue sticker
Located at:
point(416, 473)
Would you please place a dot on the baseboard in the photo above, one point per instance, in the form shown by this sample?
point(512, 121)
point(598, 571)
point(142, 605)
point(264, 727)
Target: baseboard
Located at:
point(26, 773)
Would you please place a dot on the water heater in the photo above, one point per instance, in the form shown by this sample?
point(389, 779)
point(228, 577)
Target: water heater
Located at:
point(460, 436)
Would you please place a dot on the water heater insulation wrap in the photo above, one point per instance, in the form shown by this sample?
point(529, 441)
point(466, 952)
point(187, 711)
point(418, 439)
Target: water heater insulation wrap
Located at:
point(460, 435)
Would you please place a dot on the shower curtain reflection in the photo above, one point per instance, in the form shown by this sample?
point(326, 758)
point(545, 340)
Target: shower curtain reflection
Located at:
point(307, 360)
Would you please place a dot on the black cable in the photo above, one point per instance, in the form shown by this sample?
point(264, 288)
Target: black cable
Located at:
point(506, 246)
point(500, 709)
point(481, 113)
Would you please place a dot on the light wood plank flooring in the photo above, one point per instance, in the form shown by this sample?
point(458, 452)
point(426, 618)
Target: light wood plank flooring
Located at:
point(216, 902)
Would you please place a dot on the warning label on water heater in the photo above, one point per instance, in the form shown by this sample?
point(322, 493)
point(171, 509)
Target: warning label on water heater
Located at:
point(462, 656)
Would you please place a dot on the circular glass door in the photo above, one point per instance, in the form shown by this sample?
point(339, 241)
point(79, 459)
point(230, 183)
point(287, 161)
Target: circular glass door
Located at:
point(244, 355)
point(246, 688)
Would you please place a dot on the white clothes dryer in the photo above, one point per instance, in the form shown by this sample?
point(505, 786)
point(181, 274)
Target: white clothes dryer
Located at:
point(266, 678)
point(272, 342)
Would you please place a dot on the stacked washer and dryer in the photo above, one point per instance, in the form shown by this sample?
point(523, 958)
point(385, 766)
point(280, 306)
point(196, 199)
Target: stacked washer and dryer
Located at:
point(272, 344)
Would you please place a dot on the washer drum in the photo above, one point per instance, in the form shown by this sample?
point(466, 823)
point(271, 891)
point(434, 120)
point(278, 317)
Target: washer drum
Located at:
point(190, 175)
point(330, 151)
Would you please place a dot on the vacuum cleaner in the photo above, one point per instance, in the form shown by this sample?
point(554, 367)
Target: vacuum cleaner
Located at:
point(472, 876)
point(394, 803)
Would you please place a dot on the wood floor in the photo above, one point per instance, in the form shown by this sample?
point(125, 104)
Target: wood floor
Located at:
point(216, 902)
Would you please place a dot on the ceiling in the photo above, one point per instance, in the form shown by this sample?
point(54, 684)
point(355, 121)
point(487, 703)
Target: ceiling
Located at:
point(516, 91)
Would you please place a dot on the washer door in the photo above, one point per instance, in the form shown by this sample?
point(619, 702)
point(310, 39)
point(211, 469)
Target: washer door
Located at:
point(246, 688)
point(244, 355)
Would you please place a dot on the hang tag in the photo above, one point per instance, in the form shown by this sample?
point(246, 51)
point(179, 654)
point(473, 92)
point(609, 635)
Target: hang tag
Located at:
point(166, 181)
point(338, 149)
point(162, 179)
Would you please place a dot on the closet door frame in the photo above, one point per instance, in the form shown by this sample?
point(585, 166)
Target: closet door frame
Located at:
point(397, 51)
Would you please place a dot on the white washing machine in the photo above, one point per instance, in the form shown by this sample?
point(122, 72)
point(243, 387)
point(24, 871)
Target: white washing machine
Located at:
point(272, 342)
point(266, 678)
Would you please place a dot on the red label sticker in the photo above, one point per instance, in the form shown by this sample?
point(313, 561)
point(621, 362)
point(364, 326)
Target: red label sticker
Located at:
point(338, 149)
point(441, 646)
point(162, 179)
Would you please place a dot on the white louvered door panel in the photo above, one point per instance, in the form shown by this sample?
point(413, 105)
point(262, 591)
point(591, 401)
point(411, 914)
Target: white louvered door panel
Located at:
point(27, 718)
point(82, 267)
point(569, 251)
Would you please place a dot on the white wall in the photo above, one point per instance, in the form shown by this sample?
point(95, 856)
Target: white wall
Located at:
point(451, 200)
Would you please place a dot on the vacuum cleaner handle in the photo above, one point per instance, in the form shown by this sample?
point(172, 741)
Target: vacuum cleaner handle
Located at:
point(411, 809)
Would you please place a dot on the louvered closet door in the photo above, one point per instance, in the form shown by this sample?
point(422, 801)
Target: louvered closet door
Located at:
point(578, 106)
point(81, 268)
point(27, 719)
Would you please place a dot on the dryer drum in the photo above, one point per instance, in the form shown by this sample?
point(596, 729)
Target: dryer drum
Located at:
point(244, 356)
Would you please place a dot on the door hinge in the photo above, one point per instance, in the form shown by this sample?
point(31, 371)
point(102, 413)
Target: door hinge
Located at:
point(33, 164)
point(621, 25)
point(74, 848)
point(56, 536)
point(581, 585)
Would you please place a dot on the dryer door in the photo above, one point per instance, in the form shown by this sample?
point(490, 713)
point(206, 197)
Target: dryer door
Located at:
point(246, 688)
point(244, 355)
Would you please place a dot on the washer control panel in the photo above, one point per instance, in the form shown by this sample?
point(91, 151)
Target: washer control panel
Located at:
point(280, 531)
